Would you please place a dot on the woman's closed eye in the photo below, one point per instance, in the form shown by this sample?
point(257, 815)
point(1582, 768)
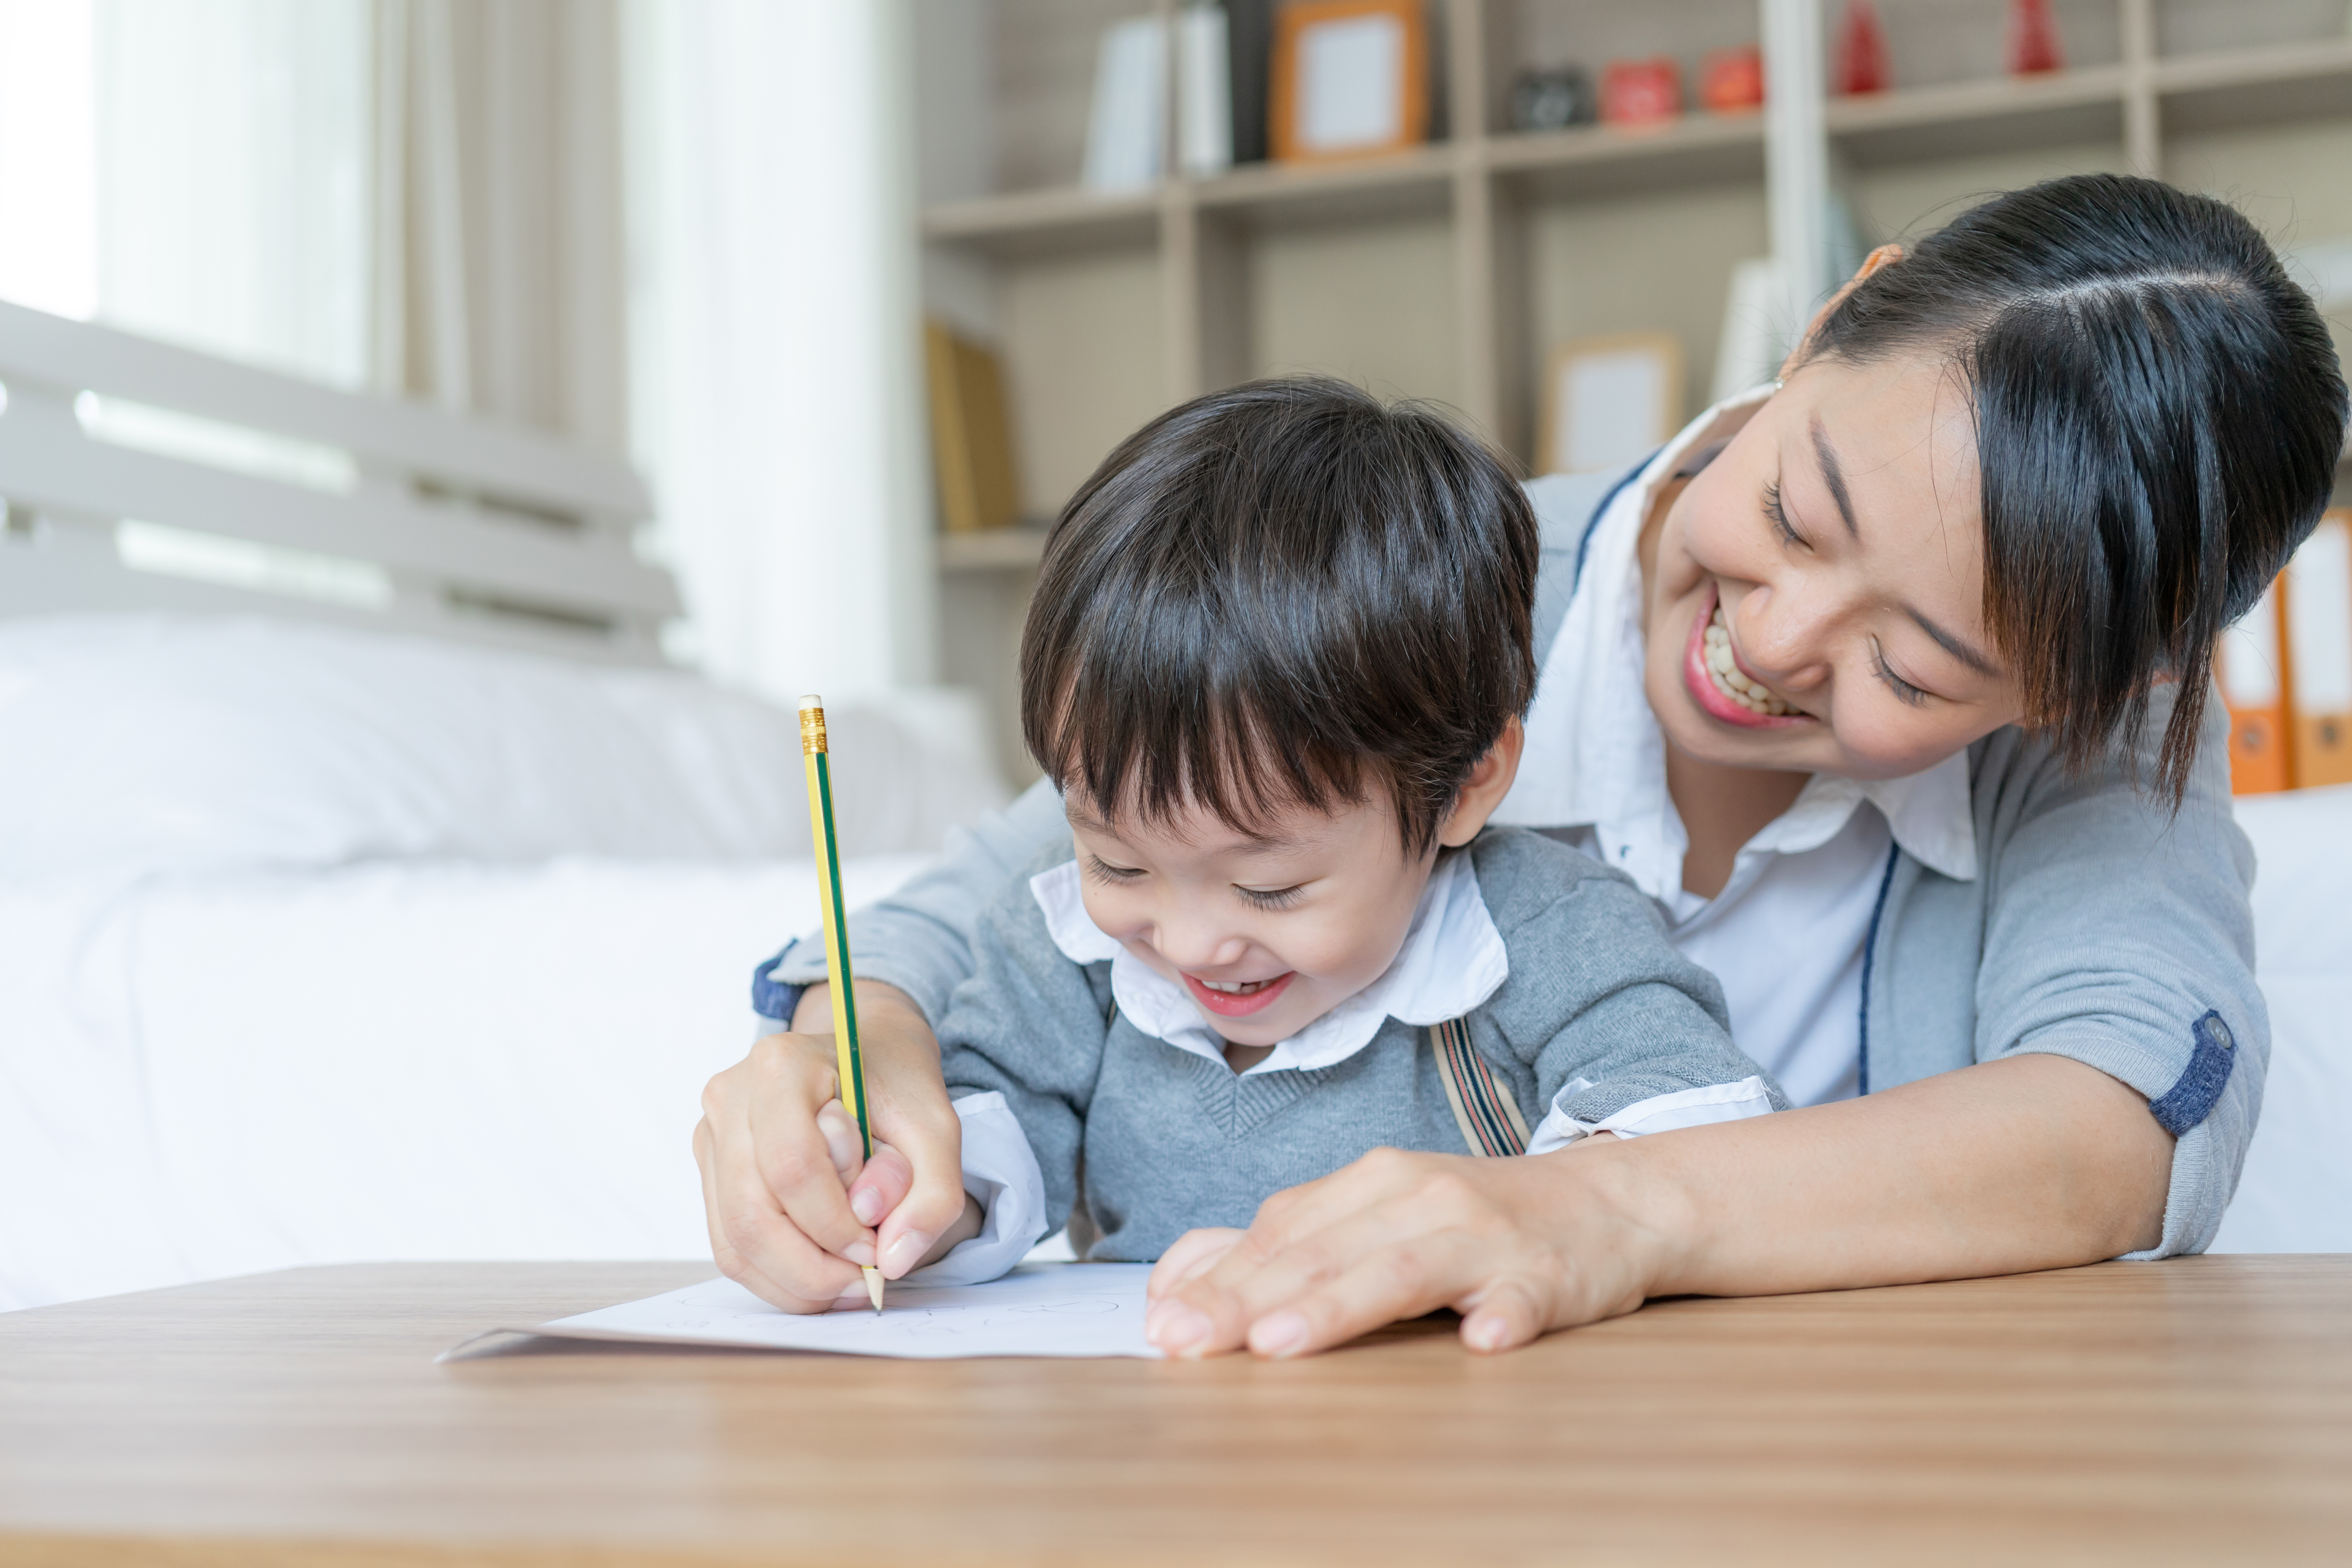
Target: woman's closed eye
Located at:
point(1778, 517)
point(1904, 691)
point(1270, 898)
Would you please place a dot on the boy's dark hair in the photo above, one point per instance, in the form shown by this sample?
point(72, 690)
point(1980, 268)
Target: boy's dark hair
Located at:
point(2158, 415)
point(1283, 593)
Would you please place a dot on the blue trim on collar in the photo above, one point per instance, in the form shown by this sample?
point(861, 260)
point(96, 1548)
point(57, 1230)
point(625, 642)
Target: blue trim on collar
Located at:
point(1584, 545)
point(1869, 950)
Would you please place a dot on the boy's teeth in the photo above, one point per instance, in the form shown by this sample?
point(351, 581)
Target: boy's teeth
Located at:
point(1720, 665)
point(1234, 987)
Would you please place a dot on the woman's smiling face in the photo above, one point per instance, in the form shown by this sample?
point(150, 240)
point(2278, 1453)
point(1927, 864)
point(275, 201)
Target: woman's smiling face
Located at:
point(1835, 550)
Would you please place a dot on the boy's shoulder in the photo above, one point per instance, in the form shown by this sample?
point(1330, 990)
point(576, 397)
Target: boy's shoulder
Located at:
point(1525, 877)
point(1015, 901)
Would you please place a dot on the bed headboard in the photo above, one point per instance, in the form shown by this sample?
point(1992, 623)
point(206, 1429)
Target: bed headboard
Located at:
point(138, 476)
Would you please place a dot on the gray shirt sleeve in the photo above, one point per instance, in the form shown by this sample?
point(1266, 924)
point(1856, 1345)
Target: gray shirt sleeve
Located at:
point(919, 938)
point(1032, 1025)
point(1604, 1009)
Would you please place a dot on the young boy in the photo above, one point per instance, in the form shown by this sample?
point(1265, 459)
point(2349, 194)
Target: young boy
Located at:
point(1276, 660)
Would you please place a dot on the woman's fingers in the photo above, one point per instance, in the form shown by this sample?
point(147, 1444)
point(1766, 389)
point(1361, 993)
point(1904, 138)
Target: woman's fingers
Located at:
point(1195, 1252)
point(1519, 1245)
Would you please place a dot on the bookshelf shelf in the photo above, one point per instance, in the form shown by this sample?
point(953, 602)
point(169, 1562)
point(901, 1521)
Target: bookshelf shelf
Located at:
point(1448, 270)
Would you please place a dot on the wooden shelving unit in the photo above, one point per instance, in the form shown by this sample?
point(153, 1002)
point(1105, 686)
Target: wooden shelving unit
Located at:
point(1490, 210)
point(1483, 175)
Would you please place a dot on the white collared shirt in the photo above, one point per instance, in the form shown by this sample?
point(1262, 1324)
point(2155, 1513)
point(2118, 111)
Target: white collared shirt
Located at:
point(1785, 934)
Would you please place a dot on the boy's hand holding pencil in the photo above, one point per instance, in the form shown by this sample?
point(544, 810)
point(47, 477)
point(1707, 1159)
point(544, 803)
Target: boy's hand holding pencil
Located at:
point(802, 1202)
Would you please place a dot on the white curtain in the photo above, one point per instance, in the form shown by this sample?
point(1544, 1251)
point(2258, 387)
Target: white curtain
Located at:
point(775, 320)
point(194, 169)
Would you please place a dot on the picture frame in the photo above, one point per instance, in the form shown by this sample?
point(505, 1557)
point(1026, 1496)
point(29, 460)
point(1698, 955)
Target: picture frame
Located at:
point(1607, 401)
point(1350, 79)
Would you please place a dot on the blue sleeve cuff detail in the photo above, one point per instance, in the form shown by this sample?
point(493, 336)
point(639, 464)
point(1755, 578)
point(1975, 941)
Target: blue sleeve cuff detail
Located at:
point(2191, 1098)
point(772, 999)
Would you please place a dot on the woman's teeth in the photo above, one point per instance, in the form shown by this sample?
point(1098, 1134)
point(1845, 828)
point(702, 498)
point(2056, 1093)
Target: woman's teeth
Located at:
point(1236, 987)
point(1727, 679)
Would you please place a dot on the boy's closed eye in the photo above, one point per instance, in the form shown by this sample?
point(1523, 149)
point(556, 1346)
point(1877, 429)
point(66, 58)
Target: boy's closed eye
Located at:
point(1102, 871)
point(1271, 898)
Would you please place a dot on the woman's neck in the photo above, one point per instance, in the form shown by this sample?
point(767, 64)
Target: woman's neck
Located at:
point(1721, 807)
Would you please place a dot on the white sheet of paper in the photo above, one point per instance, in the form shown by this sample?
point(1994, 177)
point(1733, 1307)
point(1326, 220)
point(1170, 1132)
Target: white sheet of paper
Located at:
point(1039, 1310)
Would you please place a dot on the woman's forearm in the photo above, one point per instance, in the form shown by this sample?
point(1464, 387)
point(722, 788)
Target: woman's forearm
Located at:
point(2031, 1162)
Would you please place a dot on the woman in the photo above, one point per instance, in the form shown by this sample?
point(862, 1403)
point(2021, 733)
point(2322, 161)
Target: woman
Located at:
point(1889, 683)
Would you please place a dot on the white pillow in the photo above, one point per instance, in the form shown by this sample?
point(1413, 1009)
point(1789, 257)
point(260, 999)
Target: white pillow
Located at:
point(138, 745)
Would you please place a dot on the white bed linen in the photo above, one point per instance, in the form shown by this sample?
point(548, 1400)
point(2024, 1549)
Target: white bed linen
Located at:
point(413, 1059)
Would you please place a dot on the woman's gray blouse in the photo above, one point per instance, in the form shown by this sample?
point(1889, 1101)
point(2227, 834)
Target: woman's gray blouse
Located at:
point(2099, 926)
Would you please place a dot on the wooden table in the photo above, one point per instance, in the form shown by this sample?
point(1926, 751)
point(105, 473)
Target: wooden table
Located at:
point(2195, 1411)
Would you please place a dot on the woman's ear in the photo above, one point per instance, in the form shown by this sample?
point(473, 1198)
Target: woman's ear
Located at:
point(1484, 789)
point(1885, 256)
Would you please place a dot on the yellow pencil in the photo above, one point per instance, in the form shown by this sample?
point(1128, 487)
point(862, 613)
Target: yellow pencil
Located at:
point(836, 935)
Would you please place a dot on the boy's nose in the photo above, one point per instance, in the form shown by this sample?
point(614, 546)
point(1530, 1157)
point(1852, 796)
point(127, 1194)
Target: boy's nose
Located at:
point(1200, 947)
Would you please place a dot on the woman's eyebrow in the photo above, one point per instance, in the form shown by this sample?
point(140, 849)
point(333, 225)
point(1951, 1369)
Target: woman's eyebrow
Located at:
point(1959, 648)
point(1834, 475)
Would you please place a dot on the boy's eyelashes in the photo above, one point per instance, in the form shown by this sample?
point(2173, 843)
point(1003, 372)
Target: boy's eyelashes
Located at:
point(1103, 871)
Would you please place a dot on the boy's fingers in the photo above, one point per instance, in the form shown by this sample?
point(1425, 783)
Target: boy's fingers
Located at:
point(913, 1118)
point(757, 1248)
point(790, 1154)
point(841, 1142)
point(881, 1185)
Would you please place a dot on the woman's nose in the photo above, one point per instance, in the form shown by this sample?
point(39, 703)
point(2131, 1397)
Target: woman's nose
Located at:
point(1780, 637)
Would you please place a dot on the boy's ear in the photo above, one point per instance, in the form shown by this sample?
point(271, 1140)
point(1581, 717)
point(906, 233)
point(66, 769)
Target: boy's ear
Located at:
point(1484, 789)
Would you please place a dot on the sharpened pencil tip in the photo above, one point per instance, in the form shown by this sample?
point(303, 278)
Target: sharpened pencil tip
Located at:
point(873, 1287)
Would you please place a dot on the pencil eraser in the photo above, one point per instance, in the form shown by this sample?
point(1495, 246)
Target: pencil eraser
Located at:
point(811, 701)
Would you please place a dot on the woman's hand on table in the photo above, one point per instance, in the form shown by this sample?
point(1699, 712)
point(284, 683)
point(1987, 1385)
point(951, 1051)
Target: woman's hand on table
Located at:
point(1516, 1247)
point(2025, 1163)
point(793, 1207)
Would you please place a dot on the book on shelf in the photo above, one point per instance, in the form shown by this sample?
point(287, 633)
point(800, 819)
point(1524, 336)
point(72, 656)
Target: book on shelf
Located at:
point(2252, 664)
point(1204, 107)
point(1127, 124)
point(1124, 127)
point(2319, 653)
point(972, 434)
point(1249, 56)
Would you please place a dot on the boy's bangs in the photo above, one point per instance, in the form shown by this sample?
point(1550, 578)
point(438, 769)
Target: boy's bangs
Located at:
point(1155, 752)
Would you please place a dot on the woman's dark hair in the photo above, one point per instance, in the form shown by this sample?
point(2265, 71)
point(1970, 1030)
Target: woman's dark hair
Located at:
point(1278, 595)
point(2158, 416)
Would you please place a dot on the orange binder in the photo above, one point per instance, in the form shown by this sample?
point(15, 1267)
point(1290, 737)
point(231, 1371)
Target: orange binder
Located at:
point(2252, 667)
point(2319, 653)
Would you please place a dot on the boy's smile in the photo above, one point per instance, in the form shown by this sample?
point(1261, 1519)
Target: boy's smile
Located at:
point(1269, 929)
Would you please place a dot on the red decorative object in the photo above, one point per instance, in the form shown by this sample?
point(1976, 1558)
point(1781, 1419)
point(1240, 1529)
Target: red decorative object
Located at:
point(1860, 51)
point(2033, 44)
point(1732, 80)
point(1633, 92)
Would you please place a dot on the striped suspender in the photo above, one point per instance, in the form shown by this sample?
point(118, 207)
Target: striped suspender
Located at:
point(1483, 1106)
